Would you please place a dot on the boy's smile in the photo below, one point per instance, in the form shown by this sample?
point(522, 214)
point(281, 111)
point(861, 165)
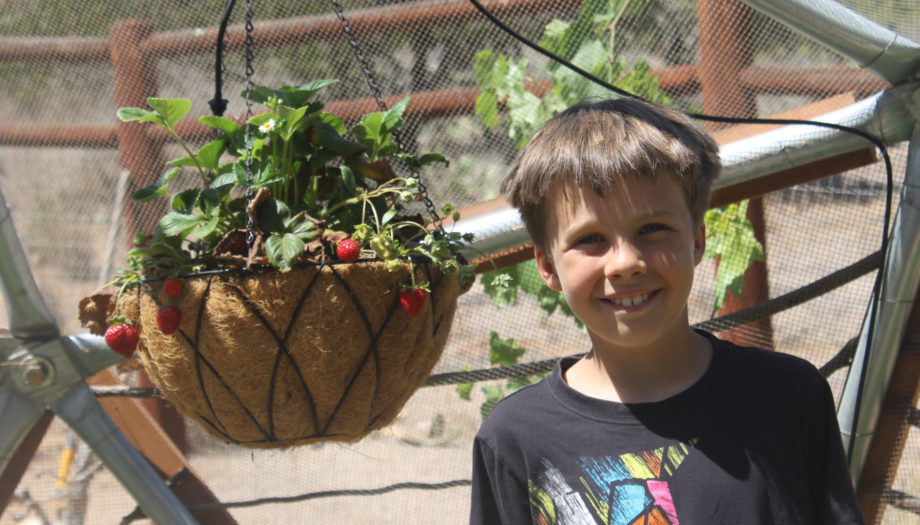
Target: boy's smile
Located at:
point(625, 261)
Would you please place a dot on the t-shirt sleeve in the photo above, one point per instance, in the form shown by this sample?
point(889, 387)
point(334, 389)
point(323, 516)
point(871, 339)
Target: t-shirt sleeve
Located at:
point(498, 497)
point(835, 499)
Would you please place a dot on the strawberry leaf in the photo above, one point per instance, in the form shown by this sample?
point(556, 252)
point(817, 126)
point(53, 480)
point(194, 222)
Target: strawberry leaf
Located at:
point(228, 126)
point(283, 250)
point(171, 110)
point(179, 223)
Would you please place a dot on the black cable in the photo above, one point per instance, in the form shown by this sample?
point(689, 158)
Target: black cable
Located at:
point(876, 299)
point(218, 103)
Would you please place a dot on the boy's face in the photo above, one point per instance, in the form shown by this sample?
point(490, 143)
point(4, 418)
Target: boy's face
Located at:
point(624, 262)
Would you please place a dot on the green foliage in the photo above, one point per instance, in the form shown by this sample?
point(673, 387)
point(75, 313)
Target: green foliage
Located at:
point(503, 285)
point(730, 238)
point(588, 43)
point(313, 185)
point(502, 352)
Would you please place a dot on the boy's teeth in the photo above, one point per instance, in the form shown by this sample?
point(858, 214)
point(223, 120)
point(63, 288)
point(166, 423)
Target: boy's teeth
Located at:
point(631, 301)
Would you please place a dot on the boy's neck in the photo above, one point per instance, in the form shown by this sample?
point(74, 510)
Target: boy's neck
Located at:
point(642, 375)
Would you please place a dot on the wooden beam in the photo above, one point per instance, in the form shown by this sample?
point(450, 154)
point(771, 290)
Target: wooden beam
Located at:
point(22, 456)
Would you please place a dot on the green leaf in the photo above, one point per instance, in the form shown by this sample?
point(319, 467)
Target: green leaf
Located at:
point(494, 394)
point(301, 226)
point(464, 390)
point(393, 116)
point(503, 352)
point(148, 193)
point(179, 223)
point(283, 250)
point(369, 130)
point(228, 178)
point(171, 110)
point(209, 154)
point(731, 239)
point(272, 216)
point(486, 108)
point(388, 216)
point(209, 228)
point(501, 286)
point(185, 200)
point(228, 126)
point(328, 136)
point(210, 200)
point(428, 158)
point(348, 180)
point(182, 162)
point(138, 115)
point(292, 120)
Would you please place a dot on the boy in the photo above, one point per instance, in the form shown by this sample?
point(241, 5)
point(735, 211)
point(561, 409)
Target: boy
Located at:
point(657, 423)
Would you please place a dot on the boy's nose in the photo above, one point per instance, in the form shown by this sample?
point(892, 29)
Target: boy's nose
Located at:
point(624, 260)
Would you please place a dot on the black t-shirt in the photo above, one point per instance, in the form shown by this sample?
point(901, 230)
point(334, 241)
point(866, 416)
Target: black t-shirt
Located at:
point(755, 440)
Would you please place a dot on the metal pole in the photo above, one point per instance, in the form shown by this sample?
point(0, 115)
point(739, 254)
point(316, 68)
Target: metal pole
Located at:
point(83, 413)
point(901, 279)
point(29, 317)
point(883, 115)
point(893, 57)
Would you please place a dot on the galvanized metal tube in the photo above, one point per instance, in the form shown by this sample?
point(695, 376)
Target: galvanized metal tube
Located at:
point(18, 413)
point(83, 413)
point(865, 389)
point(29, 317)
point(884, 115)
point(892, 56)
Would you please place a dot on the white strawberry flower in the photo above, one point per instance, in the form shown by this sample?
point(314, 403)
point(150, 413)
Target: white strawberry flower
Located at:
point(267, 126)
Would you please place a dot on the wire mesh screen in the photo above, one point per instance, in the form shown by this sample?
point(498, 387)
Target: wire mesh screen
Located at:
point(67, 176)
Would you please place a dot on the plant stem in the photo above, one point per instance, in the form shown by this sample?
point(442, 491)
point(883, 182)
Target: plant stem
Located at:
point(204, 178)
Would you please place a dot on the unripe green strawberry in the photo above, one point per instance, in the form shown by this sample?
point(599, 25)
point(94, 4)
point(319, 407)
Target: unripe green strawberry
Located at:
point(172, 287)
point(122, 338)
point(348, 250)
point(413, 301)
point(168, 318)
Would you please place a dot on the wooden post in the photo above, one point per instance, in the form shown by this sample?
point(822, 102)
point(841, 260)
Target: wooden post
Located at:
point(725, 52)
point(135, 79)
point(22, 456)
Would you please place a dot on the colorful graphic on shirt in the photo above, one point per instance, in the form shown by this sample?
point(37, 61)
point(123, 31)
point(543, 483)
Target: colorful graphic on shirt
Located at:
point(630, 489)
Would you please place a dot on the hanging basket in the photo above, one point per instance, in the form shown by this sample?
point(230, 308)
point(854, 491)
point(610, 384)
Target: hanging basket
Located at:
point(271, 359)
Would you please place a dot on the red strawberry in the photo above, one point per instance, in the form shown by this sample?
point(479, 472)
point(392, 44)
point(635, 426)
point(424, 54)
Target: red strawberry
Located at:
point(168, 318)
point(122, 338)
point(172, 287)
point(413, 301)
point(348, 250)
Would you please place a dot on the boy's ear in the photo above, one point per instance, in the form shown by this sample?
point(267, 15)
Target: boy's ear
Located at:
point(547, 269)
point(699, 243)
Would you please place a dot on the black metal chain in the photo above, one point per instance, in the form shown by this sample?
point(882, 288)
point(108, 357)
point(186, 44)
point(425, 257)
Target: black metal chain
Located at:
point(375, 89)
point(250, 71)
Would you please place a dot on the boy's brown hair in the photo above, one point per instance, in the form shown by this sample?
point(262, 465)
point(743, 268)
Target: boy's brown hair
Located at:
point(596, 144)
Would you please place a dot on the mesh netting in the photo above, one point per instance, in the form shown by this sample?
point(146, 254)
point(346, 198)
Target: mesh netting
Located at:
point(67, 172)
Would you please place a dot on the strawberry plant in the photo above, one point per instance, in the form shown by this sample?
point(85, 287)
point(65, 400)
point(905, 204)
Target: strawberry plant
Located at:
point(311, 183)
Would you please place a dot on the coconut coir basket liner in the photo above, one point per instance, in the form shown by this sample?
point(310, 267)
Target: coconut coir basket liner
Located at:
point(275, 359)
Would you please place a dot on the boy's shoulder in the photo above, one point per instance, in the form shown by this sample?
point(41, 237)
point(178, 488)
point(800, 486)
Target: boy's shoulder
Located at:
point(521, 409)
point(751, 363)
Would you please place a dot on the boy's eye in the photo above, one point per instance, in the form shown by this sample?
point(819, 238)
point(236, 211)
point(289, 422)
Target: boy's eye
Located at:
point(652, 228)
point(589, 239)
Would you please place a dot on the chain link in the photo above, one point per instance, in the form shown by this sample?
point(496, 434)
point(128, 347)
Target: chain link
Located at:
point(250, 71)
point(375, 89)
